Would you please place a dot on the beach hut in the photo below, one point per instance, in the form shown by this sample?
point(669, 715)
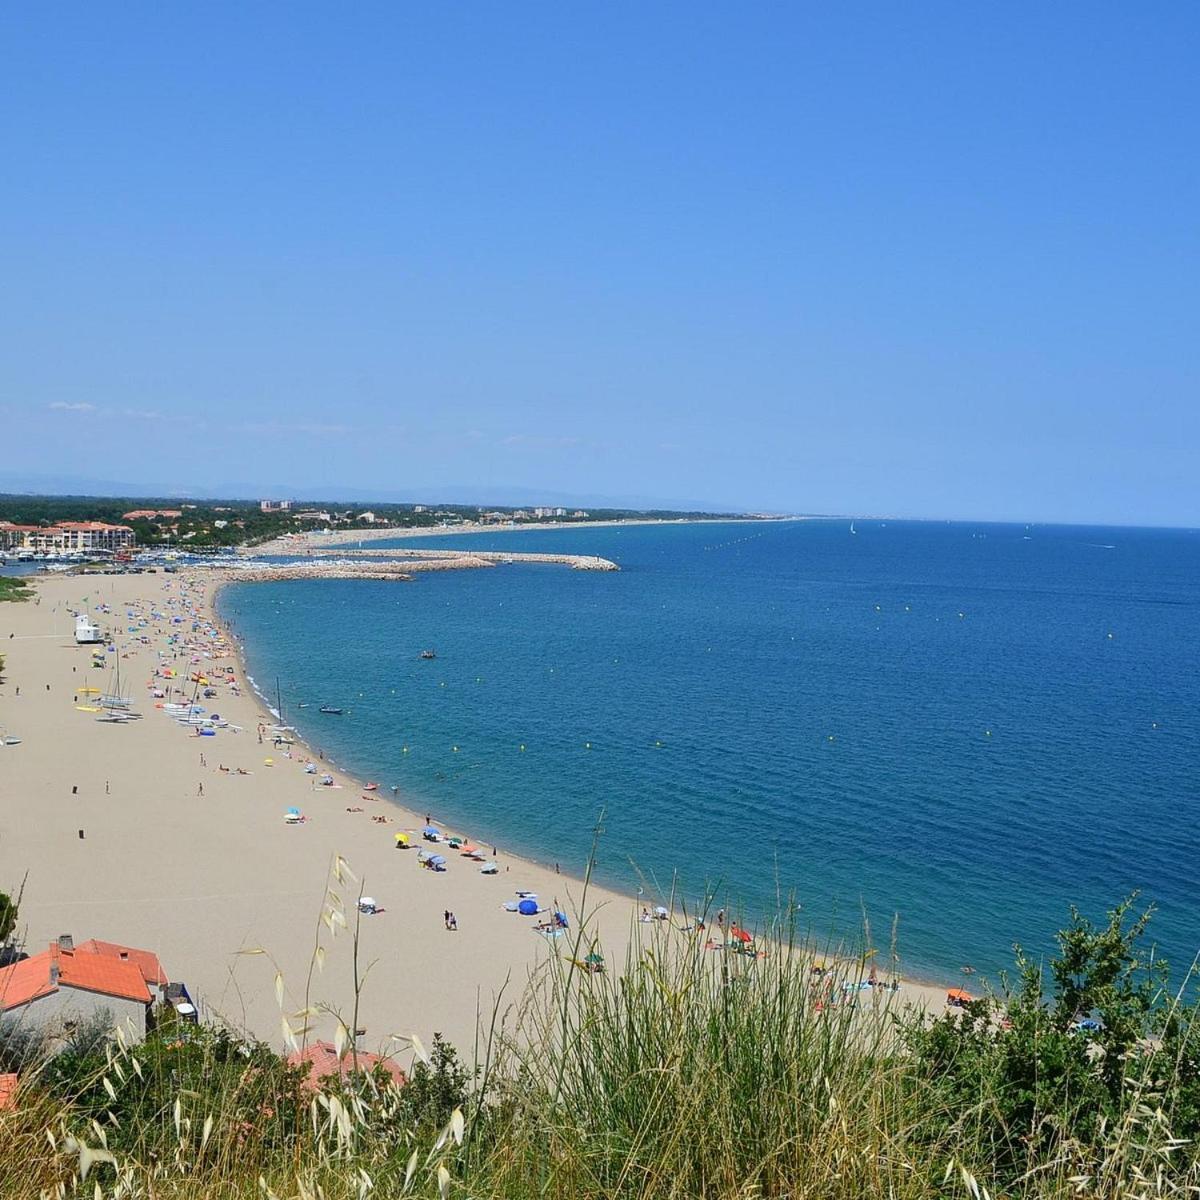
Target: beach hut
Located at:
point(527, 908)
point(957, 997)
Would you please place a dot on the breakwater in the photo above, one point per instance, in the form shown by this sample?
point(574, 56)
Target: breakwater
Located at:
point(474, 558)
point(401, 566)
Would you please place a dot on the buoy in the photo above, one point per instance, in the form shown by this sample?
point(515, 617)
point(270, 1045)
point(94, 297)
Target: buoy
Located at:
point(454, 748)
point(1110, 637)
point(658, 743)
point(829, 738)
point(987, 733)
point(587, 745)
point(961, 616)
point(522, 747)
point(405, 750)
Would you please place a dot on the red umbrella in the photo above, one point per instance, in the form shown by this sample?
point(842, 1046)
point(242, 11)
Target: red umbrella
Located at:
point(741, 935)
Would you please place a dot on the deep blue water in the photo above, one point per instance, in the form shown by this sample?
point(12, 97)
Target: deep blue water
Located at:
point(969, 726)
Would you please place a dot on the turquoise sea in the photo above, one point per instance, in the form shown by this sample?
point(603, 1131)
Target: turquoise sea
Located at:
point(967, 726)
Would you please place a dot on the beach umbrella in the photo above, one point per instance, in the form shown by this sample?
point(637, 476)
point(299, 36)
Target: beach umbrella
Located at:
point(958, 996)
point(438, 860)
point(527, 908)
point(294, 810)
point(269, 762)
point(489, 868)
point(561, 918)
point(431, 831)
point(402, 839)
point(510, 906)
point(456, 842)
point(741, 935)
point(594, 959)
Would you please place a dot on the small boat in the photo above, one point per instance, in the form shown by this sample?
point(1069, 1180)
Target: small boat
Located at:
point(330, 711)
point(428, 654)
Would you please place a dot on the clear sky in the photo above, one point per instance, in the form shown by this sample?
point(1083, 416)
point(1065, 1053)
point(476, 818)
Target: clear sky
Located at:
point(929, 260)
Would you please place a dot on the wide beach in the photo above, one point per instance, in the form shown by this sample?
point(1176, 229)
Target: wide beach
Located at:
point(184, 847)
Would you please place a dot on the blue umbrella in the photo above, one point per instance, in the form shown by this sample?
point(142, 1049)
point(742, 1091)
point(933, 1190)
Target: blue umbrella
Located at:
point(561, 918)
point(527, 908)
point(431, 831)
point(438, 860)
point(294, 810)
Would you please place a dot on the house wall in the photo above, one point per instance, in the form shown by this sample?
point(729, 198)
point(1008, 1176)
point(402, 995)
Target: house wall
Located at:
point(67, 1004)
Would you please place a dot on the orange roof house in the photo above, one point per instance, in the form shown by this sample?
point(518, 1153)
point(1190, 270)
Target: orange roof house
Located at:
point(323, 1063)
point(67, 981)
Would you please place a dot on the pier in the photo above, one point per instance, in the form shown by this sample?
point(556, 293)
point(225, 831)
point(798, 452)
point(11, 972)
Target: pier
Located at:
point(401, 565)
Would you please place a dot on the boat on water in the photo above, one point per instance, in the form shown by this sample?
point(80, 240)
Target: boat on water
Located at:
point(330, 711)
point(429, 654)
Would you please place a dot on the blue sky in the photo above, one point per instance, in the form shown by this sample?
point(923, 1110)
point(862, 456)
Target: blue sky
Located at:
point(930, 260)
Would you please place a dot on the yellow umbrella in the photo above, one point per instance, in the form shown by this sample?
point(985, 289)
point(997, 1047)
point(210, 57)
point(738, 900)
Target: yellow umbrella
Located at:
point(402, 838)
point(89, 691)
point(269, 761)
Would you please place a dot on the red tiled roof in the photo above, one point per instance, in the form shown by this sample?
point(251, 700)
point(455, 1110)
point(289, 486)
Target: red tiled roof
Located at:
point(26, 980)
point(93, 967)
point(145, 960)
point(8, 1091)
point(323, 1063)
point(85, 525)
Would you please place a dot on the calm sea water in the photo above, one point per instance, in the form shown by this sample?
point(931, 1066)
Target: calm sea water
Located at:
point(969, 726)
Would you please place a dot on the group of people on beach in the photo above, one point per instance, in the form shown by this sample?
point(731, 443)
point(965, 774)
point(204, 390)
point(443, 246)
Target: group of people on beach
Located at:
point(450, 921)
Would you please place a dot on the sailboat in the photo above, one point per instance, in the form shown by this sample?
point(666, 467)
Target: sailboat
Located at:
point(116, 706)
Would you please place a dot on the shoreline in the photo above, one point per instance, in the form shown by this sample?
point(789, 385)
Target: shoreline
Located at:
point(196, 863)
point(343, 537)
point(925, 979)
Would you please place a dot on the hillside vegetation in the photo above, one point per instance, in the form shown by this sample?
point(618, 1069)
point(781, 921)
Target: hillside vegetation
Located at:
point(686, 1075)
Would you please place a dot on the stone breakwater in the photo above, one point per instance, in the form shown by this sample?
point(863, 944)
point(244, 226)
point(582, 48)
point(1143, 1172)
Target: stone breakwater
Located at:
point(402, 569)
point(474, 558)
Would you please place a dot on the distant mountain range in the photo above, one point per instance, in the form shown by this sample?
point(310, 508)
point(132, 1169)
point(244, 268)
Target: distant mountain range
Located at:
point(507, 496)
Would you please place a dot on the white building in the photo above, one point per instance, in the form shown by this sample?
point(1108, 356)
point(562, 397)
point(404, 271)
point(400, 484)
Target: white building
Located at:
point(79, 535)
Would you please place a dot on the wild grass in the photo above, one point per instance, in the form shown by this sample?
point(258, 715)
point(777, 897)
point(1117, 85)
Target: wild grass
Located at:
point(682, 1072)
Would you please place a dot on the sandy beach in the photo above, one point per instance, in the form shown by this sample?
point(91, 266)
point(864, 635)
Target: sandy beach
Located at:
point(151, 835)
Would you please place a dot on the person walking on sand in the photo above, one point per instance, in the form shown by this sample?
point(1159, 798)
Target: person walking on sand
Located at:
point(200, 790)
point(446, 918)
point(453, 923)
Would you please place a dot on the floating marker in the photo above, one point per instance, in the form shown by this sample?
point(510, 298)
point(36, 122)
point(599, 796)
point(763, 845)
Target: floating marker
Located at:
point(587, 745)
point(658, 744)
point(987, 733)
point(829, 738)
point(454, 748)
point(522, 747)
point(1110, 637)
point(405, 749)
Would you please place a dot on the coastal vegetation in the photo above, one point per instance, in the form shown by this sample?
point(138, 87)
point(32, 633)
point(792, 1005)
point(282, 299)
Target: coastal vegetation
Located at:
point(685, 1074)
point(220, 524)
point(13, 589)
